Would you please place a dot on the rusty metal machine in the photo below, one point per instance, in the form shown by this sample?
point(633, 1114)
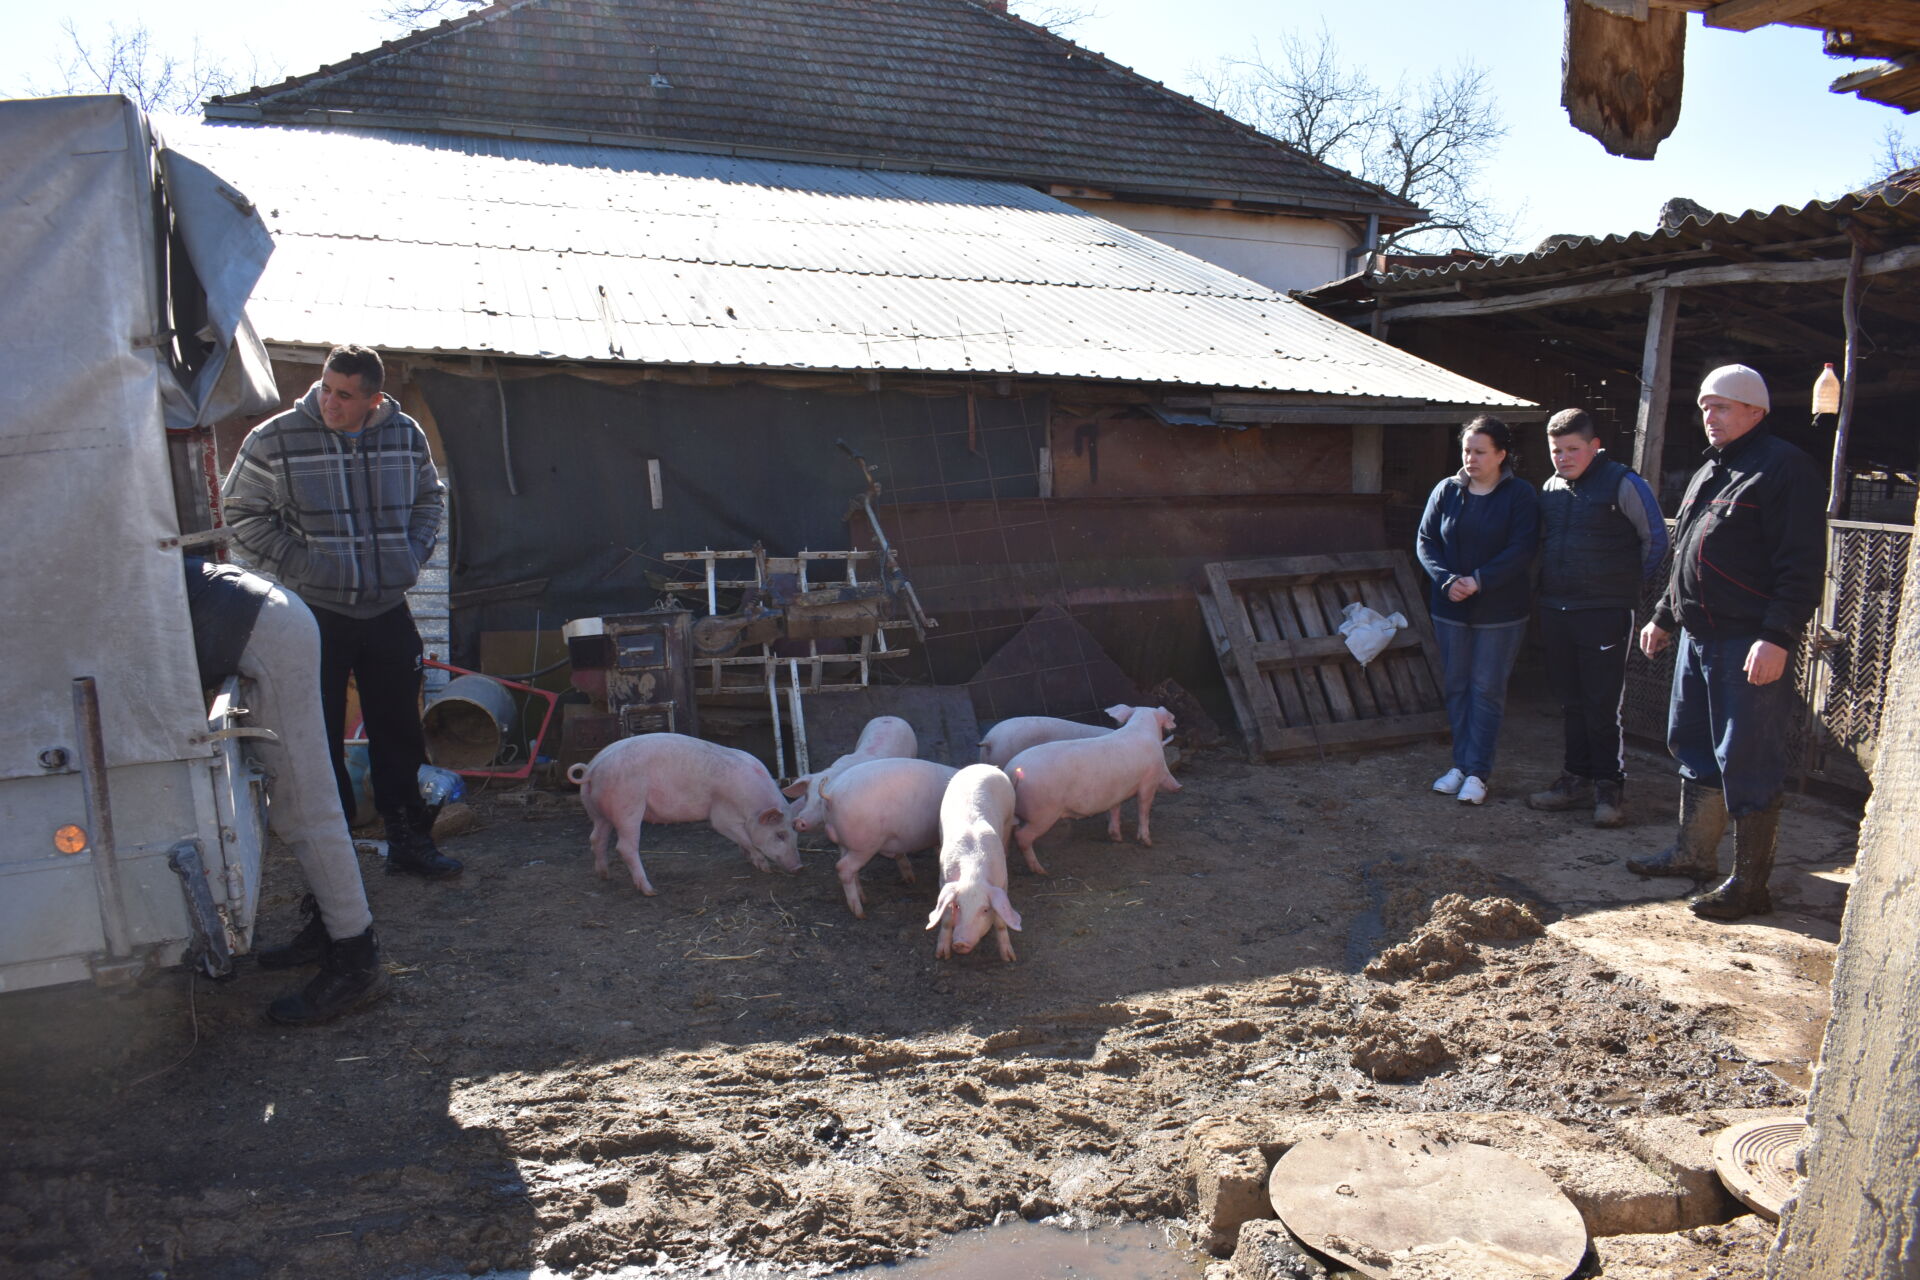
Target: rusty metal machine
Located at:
point(641, 663)
point(651, 667)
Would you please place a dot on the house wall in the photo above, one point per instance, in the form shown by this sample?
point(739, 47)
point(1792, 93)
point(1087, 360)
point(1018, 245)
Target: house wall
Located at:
point(1280, 252)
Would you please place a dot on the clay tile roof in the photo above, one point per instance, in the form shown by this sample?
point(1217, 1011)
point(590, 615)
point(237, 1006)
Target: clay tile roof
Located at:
point(943, 85)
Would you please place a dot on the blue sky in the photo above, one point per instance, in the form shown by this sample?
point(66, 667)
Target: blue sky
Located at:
point(1758, 128)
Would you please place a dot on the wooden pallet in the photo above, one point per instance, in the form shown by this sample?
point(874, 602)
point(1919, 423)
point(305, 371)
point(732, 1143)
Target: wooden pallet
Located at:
point(1295, 687)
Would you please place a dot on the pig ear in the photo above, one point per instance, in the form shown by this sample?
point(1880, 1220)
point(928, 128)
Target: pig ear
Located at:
point(773, 816)
point(1120, 712)
point(798, 787)
point(1003, 907)
point(948, 892)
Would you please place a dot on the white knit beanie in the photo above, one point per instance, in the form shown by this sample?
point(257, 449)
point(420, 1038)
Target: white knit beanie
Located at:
point(1737, 382)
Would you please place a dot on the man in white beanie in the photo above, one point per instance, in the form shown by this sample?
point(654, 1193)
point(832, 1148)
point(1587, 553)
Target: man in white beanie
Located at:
point(1748, 559)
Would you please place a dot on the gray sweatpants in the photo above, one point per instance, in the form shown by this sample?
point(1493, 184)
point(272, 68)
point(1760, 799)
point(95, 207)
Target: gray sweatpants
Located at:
point(283, 661)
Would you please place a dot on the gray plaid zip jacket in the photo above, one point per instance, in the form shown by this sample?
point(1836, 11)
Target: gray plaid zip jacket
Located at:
point(344, 523)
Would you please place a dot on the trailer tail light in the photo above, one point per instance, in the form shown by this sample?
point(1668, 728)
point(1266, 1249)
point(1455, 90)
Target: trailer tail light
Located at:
point(70, 839)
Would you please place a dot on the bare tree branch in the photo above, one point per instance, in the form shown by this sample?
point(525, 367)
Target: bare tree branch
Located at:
point(129, 61)
point(413, 14)
point(1896, 154)
point(1429, 143)
point(1054, 17)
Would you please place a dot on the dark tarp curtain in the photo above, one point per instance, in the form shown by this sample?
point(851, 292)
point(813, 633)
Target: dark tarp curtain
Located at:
point(738, 464)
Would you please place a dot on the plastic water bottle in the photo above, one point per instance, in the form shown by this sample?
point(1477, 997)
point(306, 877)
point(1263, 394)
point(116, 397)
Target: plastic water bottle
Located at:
point(440, 786)
point(1826, 392)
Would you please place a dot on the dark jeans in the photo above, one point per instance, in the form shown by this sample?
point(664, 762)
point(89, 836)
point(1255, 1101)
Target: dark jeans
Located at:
point(1726, 732)
point(1474, 665)
point(1587, 666)
point(383, 655)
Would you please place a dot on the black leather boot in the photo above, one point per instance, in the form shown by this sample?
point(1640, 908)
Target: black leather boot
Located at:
point(1695, 851)
point(309, 946)
point(350, 978)
point(1744, 893)
point(411, 851)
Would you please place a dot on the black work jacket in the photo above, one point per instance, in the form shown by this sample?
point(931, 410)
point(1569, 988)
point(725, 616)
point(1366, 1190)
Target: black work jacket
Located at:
point(1749, 549)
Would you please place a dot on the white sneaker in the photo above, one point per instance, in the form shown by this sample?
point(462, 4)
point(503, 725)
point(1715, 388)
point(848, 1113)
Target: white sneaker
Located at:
point(1448, 783)
point(1472, 791)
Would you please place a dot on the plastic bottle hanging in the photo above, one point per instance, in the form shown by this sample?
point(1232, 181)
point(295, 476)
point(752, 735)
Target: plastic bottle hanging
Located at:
point(1826, 392)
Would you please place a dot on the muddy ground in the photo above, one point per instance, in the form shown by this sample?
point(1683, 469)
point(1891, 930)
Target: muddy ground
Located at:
point(568, 1073)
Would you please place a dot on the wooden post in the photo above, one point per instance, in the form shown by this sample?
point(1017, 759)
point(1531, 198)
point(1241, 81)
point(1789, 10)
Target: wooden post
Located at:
point(1849, 314)
point(1369, 457)
point(1656, 386)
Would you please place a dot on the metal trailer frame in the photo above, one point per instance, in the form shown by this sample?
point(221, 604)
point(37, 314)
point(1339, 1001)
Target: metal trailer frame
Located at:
point(132, 818)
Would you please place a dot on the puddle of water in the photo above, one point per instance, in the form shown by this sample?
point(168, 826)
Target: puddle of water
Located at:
point(1038, 1251)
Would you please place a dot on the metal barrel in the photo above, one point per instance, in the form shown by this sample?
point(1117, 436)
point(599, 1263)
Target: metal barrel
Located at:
point(466, 726)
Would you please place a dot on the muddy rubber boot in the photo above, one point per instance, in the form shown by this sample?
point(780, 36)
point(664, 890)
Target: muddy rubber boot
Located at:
point(1607, 801)
point(351, 977)
point(1569, 791)
point(1695, 849)
point(309, 946)
point(1744, 893)
point(411, 851)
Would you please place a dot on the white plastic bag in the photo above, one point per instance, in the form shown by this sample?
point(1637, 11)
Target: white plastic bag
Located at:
point(1367, 632)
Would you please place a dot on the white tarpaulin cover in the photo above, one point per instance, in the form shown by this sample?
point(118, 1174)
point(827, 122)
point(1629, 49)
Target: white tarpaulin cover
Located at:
point(85, 493)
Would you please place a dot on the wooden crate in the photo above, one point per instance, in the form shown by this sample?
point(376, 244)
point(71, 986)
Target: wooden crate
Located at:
point(1295, 687)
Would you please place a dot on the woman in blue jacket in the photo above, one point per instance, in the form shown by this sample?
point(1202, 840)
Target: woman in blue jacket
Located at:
point(1477, 540)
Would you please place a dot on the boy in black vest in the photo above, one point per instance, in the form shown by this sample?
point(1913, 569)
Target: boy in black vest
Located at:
point(1601, 537)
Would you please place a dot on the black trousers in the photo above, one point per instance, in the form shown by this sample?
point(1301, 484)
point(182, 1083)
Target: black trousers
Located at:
point(1587, 667)
point(383, 655)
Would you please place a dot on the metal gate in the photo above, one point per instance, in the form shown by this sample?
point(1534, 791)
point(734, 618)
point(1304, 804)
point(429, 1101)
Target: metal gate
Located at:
point(1840, 669)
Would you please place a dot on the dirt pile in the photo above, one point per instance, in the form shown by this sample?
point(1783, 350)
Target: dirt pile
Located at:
point(1443, 945)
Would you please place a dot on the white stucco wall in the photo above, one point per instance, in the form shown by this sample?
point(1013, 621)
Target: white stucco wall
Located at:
point(1281, 253)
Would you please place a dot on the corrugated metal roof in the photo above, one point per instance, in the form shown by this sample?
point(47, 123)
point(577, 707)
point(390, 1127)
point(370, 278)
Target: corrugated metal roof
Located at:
point(434, 243)
point(1777, 235)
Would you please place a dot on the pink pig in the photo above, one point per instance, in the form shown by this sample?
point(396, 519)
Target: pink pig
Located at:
point(882, 806)
point(975, 816)
point(669, 777)
point(1010, 737)
point(884, 738)
point(1079, 779)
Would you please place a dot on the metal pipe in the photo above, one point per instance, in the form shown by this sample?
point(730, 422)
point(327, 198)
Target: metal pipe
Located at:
point(773, 704)
point(93, 779)
point(506, 443)
point(797, 720)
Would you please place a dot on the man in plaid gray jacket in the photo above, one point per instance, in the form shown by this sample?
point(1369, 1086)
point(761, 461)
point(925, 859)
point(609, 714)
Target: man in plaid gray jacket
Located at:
point(337, 499)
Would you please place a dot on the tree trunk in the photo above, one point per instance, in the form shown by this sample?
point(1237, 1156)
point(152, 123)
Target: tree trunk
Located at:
point(1858, 1213)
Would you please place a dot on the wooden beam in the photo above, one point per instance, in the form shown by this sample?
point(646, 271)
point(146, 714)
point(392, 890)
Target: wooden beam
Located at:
point(1904, 258)
point(1656, 386)
point(1784, 330)
point(1364, 417)
point(1849, 315)
point(1620, 79)
point(1745, 15)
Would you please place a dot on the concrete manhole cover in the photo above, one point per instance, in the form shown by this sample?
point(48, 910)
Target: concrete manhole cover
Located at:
point(1757, 1158)
point(1408, 1205)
